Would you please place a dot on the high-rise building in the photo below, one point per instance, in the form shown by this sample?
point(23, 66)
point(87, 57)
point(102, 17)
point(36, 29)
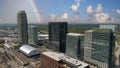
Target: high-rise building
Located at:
point(99, 47)
point(33, 35)
point(75, 45)
point(57, 36)
point(22, 27)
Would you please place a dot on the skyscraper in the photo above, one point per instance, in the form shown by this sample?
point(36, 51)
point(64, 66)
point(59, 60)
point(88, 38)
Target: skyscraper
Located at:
point(75, 45)
point(33, 34)
point(22, 27)
point(99, 47)
point(57, 36)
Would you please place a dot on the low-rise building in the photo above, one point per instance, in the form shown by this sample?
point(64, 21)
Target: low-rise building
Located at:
point(59, 60)
point(29, 50)
point(43, 39)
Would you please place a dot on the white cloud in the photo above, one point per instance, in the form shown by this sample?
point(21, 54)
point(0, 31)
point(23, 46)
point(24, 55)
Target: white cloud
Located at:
point(64, 16)
point(52, 17)
point(118, 11)
point(75, 7)
point(101, 17)
point(99, 8)
point(78, 4)
point(89, 9)
point(98, 15)
point(77, 0)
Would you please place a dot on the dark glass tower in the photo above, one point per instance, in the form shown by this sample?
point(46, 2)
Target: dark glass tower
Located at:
point(22, 27)
point(57, 36)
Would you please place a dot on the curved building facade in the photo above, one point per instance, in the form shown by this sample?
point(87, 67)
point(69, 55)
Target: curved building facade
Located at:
point(22, 27)
point(29, 50)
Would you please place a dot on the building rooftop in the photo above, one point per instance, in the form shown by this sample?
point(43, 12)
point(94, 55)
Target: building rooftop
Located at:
point(66, 59)
point(43, 35)
point(27, 48)
point(7, 45)
point(32, 26)
point(59, 21)
point(75, 34)
point(73, 61)
point(22, 11)
point(53, 55)
point(89, 31)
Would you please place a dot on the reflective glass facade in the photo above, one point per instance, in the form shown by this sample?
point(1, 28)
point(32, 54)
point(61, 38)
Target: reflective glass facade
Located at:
point(74, 46)
point(102, 45)
point(33, 34)
point(101, 48)
point(57, 36)
point(113, 27)
point(22, 27)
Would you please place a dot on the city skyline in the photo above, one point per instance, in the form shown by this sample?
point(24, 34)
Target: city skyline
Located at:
point(61, 45)
point(75, 11)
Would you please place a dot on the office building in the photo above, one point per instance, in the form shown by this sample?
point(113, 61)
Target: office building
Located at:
point(99, 48)
point(59, 60)
point(57, 36)
point(75, 45)
point(43, 39)
point(33, 35)
point(22, 27)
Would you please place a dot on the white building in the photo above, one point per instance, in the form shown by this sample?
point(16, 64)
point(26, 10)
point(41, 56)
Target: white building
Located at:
point(43, 38)
point(29, 50)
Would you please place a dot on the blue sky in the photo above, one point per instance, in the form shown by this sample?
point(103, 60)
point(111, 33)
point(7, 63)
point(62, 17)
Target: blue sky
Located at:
point(73, 11)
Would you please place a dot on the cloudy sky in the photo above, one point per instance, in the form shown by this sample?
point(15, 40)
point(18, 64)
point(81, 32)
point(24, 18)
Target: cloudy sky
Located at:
point(73, 11)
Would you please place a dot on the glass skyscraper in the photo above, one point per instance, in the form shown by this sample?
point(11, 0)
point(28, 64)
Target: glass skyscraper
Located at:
point(99, 47)
point(33, 34)
point(75, 45)
point(22, 27)
point(57, 36)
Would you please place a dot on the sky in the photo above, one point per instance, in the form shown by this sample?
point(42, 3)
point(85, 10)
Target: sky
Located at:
point(72, 11)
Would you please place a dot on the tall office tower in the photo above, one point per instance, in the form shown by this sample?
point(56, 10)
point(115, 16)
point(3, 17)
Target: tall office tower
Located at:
point(57, 36)
point(75, 45)
point(33, 35)
point(99, 47)
point(22, 27)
